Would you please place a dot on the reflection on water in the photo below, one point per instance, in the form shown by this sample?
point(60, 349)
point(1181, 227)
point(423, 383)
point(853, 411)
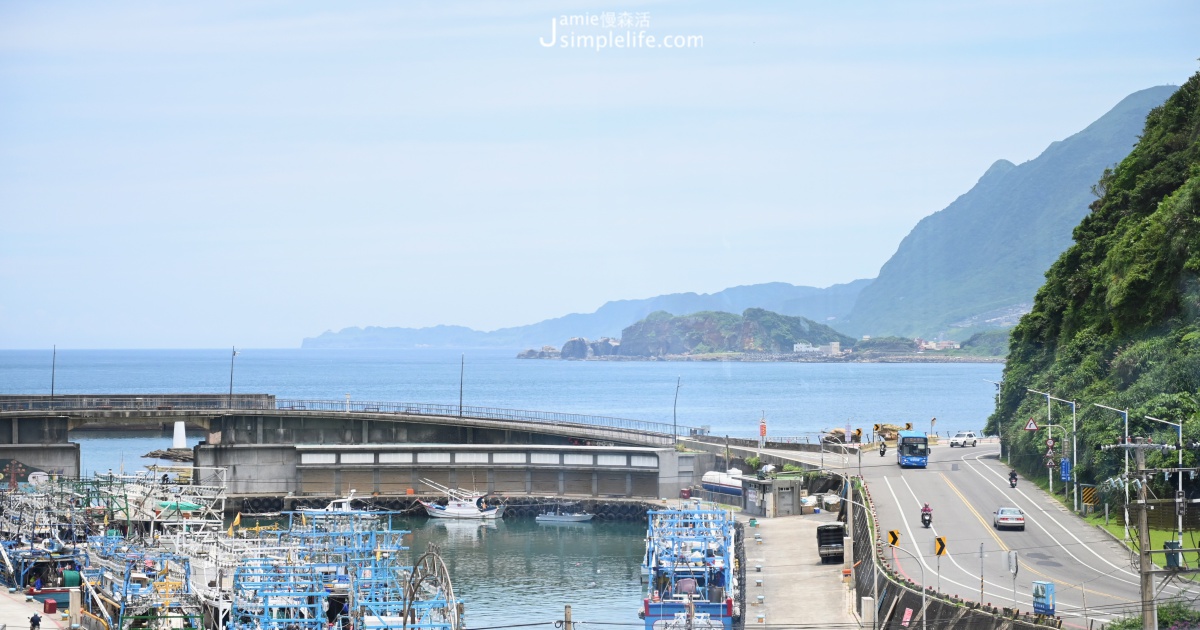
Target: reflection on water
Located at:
point(520, 571)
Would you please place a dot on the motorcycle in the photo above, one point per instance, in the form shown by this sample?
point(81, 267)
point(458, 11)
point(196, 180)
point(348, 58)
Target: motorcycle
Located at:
point(1012, 482)
point(882, 449)
point(926, 519)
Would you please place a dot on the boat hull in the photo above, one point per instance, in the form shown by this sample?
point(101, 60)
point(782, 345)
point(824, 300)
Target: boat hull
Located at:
point(462, 511)
point(563, 518)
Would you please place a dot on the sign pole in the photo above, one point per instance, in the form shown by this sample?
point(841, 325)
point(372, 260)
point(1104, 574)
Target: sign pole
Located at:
point(980, 574)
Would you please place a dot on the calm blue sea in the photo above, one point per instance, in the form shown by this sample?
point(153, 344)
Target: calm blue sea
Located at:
point(730, 397)
point(520, 572)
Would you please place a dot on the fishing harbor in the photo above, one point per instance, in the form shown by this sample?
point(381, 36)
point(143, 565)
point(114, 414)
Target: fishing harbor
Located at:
point(151, 550)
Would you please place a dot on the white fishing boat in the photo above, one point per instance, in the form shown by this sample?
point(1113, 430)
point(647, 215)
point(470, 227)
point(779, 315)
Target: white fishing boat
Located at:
point(462, 504)
point(728, 482)
point(559, 516)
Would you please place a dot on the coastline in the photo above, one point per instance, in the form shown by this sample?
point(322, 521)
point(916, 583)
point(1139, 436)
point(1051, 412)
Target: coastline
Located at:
point(743, 357)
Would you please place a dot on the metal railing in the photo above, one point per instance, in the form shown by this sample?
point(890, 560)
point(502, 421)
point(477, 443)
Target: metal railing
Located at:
point(263, 402)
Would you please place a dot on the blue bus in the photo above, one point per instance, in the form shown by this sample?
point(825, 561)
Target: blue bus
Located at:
point(912, 449)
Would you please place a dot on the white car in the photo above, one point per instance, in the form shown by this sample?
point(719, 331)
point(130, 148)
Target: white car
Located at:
point(963, 438)
point(1009, 517)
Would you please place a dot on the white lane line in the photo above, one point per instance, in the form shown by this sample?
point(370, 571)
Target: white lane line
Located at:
point(1049, 516)
point(1003, 546)
point(921, 559)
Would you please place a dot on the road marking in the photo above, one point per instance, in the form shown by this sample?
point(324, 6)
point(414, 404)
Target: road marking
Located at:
point(989, 528)
point(1056, 540)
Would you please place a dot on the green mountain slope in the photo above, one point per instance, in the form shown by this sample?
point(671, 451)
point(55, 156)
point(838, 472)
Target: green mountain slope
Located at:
point(755, 330)
point(1116, 321)
point(984, 256)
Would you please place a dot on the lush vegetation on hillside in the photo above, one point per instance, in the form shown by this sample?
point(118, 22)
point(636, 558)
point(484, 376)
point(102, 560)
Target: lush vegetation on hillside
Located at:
point(1116, 321)
point(755, 330)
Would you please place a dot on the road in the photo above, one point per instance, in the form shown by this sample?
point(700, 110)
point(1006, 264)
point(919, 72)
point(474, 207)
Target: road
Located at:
point(965, 486)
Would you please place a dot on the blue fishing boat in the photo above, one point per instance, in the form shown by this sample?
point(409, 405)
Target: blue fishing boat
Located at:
point(689, 569)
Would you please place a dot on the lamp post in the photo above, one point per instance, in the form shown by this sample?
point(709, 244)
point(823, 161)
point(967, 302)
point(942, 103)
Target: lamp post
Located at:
point(1001, 433)
point(1178, 473)
point(1124, 416)
point(1074, 445)
point(231, 377)
point(674, 408)
point(920, 566)
point(53, 365)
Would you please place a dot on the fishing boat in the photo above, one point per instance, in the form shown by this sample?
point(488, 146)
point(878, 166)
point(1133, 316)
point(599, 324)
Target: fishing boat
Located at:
point(728, 482)
point(462, 504)
point(689, 569)
point(561, 516)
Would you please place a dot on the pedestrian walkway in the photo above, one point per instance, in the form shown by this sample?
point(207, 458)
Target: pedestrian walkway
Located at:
point(796, 587)
point(15, 613)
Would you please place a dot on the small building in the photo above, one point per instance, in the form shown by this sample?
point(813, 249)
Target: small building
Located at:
point(771, 497)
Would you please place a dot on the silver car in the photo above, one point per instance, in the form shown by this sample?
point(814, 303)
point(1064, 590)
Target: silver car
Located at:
point(1008, 517)
point(963, 438)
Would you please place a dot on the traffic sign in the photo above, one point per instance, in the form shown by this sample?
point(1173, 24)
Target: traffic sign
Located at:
point(1050, 442)
point(939, 545)
point(877, 428)
point(1065, 469)
point(908, 426)
point(1049, 452)
point(894, 537)
point(762, 428)
point(1031, 425)
point(858, 432)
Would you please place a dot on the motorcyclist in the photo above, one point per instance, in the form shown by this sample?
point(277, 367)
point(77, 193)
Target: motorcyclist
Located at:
point(1012, 477)
point(882, 447)
point(927, 511)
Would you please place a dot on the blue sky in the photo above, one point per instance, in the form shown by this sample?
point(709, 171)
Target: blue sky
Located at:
point(250, 173)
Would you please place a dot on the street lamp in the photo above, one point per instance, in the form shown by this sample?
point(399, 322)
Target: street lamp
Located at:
point(1125, 416)
point(998, 429)
point(231, 376)
point(674, 408)
point(1074, 444)
point(920, 566)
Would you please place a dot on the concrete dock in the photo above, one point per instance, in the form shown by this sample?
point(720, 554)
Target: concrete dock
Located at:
point(15, 613)
point(796, 587)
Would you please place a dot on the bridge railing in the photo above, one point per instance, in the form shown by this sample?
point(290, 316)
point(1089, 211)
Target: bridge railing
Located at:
point(255, 402)
point(488, 413)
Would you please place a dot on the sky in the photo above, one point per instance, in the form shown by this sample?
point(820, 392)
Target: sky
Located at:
point(201, 175)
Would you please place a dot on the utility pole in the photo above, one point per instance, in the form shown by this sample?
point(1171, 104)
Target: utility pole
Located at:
point(1149, 610)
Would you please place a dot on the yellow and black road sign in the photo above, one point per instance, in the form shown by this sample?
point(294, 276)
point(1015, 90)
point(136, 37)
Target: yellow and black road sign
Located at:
point(877, 428)
point(939, 545)
point(894, 537)
point(858, 432)
point(908, 426)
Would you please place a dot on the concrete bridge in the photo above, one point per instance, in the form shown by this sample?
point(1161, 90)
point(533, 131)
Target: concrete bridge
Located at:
point(325, 447)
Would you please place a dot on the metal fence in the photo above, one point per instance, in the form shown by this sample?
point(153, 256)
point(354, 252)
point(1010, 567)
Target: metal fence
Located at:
point(263, 402)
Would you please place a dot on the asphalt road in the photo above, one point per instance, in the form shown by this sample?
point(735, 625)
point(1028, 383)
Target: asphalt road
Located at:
point(965, 486)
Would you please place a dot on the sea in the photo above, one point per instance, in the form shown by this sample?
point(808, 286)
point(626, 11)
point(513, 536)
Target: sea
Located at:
point(522, 572)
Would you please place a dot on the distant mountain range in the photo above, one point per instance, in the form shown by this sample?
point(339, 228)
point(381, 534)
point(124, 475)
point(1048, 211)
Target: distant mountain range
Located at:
point(609, 320)
point(971, 266)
